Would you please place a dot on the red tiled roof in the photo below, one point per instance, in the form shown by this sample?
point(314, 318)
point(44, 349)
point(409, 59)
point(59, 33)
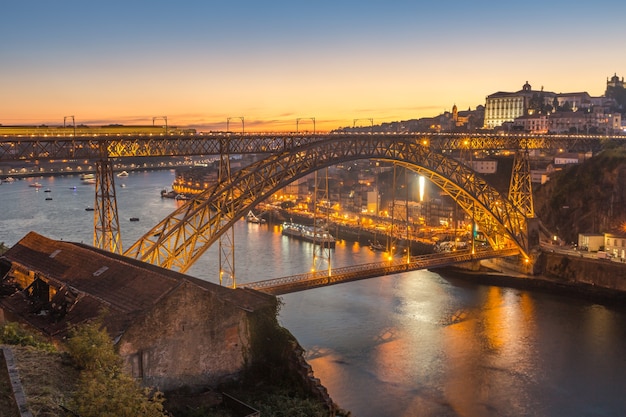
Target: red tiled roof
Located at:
point(124, 286)
point(113, 279)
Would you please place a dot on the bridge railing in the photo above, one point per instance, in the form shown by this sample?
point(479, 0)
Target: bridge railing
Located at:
point(387, 267)
point(17, 147)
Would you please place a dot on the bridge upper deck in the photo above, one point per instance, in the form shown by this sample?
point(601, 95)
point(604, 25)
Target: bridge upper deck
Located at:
point(69, 146)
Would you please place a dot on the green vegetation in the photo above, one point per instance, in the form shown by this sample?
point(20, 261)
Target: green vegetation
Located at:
point(45, 373)
point(14, 334)
point(103, 389)
point(87, 379)
point(3, 248)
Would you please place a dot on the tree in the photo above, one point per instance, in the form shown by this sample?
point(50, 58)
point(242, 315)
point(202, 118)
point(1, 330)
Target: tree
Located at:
point(114, 394)
point(104, 390)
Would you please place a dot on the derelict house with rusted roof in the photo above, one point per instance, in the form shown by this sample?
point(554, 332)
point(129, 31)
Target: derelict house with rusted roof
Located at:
point(172, 330)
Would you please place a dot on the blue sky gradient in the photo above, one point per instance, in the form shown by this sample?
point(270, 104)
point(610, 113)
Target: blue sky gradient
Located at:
point(200, 62)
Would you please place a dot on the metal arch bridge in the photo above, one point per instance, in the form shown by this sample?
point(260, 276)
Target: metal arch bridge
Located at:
point(181, 238)
point(287, 154)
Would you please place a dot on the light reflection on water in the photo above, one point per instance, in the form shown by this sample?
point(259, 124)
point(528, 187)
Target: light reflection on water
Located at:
point(413, 344)
point(417, 344)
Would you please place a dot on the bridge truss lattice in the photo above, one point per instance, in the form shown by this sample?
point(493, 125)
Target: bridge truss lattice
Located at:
point(181, 238)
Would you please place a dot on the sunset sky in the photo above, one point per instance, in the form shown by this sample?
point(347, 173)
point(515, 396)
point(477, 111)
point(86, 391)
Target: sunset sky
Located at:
point(202, 62)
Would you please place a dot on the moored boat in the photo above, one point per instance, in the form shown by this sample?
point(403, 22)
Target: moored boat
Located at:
point(253, 218)
point(311, 234)
point(35, 185)
point(88, 178)
point(122, 174)
point(168, 194)
point(376, 246)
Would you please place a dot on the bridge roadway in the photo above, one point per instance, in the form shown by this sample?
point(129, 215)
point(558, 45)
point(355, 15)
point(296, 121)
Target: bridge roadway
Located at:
point(90, 147)
point(323, 278)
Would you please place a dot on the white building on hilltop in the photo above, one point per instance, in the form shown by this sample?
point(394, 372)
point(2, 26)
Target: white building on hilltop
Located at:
point(503, 107)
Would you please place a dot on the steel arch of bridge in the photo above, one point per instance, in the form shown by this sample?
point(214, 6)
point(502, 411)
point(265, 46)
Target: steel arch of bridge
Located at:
point(180, 239)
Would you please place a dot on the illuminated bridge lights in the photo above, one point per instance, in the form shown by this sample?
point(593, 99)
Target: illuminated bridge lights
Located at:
point(290, 156)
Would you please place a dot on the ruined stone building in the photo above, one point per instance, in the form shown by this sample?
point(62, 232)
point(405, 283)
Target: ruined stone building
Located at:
point(172, 330)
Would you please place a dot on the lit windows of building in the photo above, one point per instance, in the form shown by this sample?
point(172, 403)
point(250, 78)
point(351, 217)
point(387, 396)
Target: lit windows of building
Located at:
point(503, 107)
point(615, 245)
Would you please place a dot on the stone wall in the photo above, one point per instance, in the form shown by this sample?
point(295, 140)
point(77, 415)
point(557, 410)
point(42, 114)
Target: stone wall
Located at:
point(191, 339)
point(600, 273)
point(553, 270)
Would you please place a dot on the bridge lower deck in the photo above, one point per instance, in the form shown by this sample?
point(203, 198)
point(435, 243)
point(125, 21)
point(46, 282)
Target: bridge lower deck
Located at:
point(324, 278)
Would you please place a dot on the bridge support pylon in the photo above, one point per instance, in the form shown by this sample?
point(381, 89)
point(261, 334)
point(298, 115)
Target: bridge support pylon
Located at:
point(227, 239)
point(106, 221)
point(520, 189)
point(321, 246)
point(521, 195)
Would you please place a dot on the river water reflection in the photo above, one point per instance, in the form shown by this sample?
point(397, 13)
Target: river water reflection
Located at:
point(414, 344)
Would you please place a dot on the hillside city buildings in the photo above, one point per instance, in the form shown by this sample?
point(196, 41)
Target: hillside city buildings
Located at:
point(362, 191)
point(540, 111)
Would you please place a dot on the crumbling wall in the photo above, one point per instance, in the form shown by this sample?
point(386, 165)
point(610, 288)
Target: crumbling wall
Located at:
point(191, 339)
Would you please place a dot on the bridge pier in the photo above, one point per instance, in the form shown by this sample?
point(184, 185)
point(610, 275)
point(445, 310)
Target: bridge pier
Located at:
point(473, 266)
point(106, 220)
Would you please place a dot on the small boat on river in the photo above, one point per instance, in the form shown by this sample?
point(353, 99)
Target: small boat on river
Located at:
point(122, 174)
point(168, 194)
point(253, 218)
point(377, 246)
point(35, 185)
point(88, 178)
point(311, 234)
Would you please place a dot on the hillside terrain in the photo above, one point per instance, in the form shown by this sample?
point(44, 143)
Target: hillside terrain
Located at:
point(585, 198)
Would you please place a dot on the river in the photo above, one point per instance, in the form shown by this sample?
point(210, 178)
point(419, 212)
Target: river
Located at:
point(413, 344)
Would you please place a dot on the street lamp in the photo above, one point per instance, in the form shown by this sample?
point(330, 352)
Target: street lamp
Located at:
point(371, 120)
point(160, 117)
point(242, 123)
point(305, 118)
point(73, 123)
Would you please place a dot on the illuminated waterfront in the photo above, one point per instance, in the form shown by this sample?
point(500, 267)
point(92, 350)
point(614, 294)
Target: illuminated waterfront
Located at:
point(413, 344)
